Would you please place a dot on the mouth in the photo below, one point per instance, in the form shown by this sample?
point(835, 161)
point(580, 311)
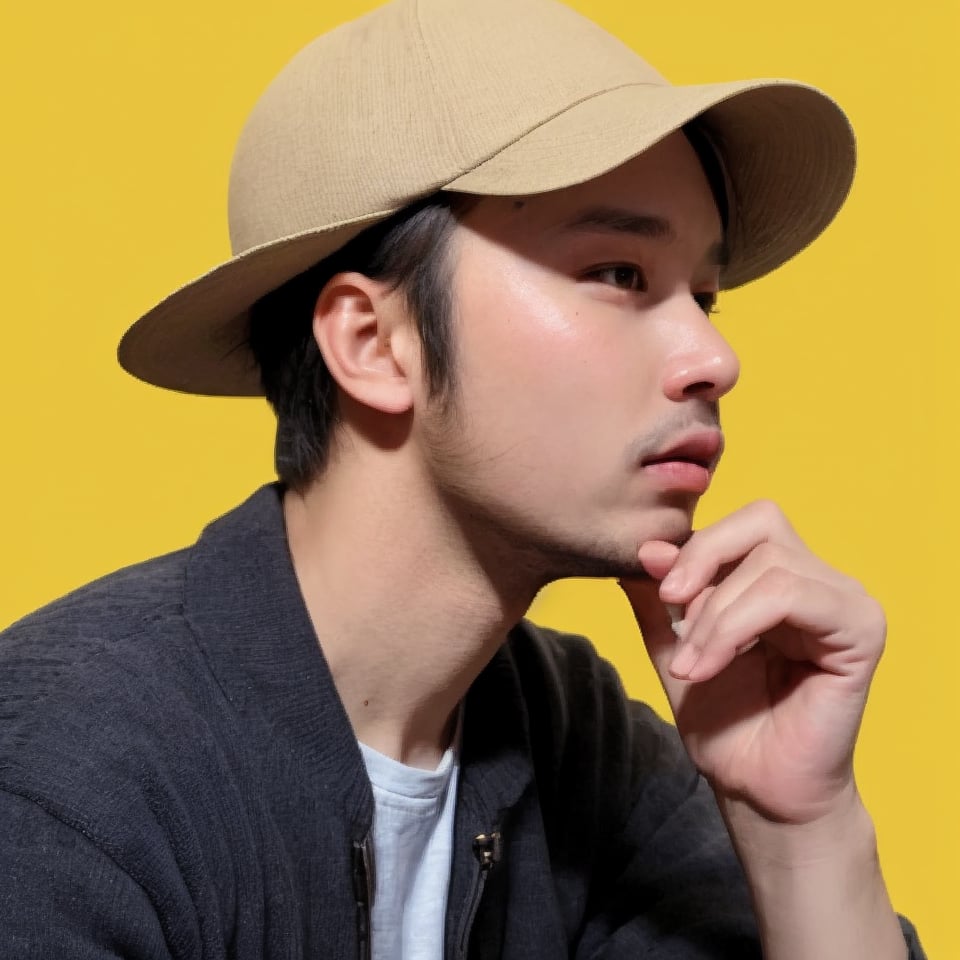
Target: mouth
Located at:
point(703, 448)
point(687, 465)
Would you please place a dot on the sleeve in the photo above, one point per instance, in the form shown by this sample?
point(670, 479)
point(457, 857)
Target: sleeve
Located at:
point(61, 896)
point(670, 886)
point(673, 888)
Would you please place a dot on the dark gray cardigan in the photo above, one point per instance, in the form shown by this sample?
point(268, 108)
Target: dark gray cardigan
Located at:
point(178, 779)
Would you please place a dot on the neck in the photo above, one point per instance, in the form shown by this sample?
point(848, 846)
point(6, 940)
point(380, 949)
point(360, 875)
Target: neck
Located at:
point(406, 612)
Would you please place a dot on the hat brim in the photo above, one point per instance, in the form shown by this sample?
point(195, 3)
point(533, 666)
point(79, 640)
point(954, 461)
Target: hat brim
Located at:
point(787, 150)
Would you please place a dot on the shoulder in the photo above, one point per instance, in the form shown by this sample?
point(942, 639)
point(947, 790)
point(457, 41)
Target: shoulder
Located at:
point(116, 601)
point(110, 665)
point(103, 622)
point(113, 724)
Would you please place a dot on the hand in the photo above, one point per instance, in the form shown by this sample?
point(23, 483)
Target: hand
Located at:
point(771, 723)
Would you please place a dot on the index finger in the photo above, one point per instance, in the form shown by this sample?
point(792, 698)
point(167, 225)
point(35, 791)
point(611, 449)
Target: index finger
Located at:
point(728, 540)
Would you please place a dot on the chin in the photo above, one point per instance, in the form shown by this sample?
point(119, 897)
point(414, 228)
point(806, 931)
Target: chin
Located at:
point(603, 544)
point(672, 523)
point(606, 557)
point(609, 548)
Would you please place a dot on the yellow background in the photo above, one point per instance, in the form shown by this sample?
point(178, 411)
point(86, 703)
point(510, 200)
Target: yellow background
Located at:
point(118, 125)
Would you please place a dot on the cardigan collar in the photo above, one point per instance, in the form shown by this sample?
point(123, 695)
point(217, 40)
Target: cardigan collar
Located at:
point(244, 603)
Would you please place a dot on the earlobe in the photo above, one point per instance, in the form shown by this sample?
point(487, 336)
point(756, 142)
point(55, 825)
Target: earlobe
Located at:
point(361, 330)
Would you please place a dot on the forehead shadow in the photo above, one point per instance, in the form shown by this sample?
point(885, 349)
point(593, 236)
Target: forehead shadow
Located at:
point(518, 222)
point(618, 220)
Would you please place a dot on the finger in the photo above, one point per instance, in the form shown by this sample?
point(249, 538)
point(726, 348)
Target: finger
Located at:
point(737, 578)
point(838, 632)
point(691, 613)
point(727, 541)
point(660, 635)
point(658, 557)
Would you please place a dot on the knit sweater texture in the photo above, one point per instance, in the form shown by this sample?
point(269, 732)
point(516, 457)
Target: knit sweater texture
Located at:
point(179, 781)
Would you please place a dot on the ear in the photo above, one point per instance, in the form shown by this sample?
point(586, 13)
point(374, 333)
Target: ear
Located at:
point(368, 341)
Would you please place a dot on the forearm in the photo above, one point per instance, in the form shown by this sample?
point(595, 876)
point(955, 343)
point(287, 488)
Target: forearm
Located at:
point(817, 888)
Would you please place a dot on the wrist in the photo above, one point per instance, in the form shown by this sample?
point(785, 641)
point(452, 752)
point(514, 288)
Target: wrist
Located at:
point(817, 887)
point(841, 826)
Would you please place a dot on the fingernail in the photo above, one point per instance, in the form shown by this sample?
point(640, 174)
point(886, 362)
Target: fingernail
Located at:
point(685, 660)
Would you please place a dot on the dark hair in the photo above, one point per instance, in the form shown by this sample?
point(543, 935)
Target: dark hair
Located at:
point(698, 138)
point(408, 251)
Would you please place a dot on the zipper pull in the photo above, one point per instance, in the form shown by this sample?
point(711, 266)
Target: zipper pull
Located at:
point(487, 849)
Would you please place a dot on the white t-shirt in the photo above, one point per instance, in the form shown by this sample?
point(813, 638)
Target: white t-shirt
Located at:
point(412, 850)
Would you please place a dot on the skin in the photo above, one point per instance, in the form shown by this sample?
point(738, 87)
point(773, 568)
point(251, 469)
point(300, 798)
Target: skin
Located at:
point(581, 351)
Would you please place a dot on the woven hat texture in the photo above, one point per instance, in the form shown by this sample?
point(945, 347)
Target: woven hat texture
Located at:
point(500, 97)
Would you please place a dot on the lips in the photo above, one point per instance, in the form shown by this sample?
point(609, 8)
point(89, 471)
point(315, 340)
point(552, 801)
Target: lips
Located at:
point(687, 465)
point(702, 448)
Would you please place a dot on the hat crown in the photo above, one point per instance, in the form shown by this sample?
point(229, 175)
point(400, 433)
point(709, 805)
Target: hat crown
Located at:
point(385, 107)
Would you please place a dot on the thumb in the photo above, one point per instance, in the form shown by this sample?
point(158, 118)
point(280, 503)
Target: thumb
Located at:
point(657, 558)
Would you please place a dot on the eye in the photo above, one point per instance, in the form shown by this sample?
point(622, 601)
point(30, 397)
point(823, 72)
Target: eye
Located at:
point(707, 302)
point(620, 275)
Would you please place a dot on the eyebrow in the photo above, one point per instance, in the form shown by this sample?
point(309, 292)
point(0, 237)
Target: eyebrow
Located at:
point(616, 220)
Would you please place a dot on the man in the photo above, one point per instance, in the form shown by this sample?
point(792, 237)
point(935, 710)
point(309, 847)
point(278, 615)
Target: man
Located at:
point(477, 250)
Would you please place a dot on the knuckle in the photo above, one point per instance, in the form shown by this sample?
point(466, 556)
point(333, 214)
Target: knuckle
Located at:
point(874, 620)
point(723, 632)
point(767, 510)
point(768, 554)
point(855, 586)
point(769, 515)
point(778, 580)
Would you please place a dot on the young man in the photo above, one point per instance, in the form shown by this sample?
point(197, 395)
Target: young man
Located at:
point(477, 249)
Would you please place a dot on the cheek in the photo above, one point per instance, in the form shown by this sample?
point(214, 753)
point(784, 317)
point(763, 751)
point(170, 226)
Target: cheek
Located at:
point(525, 352)
point(541, 373)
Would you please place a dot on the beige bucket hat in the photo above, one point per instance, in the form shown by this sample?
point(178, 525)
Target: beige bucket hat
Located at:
point(490, 97)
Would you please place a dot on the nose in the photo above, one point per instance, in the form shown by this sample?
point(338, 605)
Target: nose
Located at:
point(703, 365)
